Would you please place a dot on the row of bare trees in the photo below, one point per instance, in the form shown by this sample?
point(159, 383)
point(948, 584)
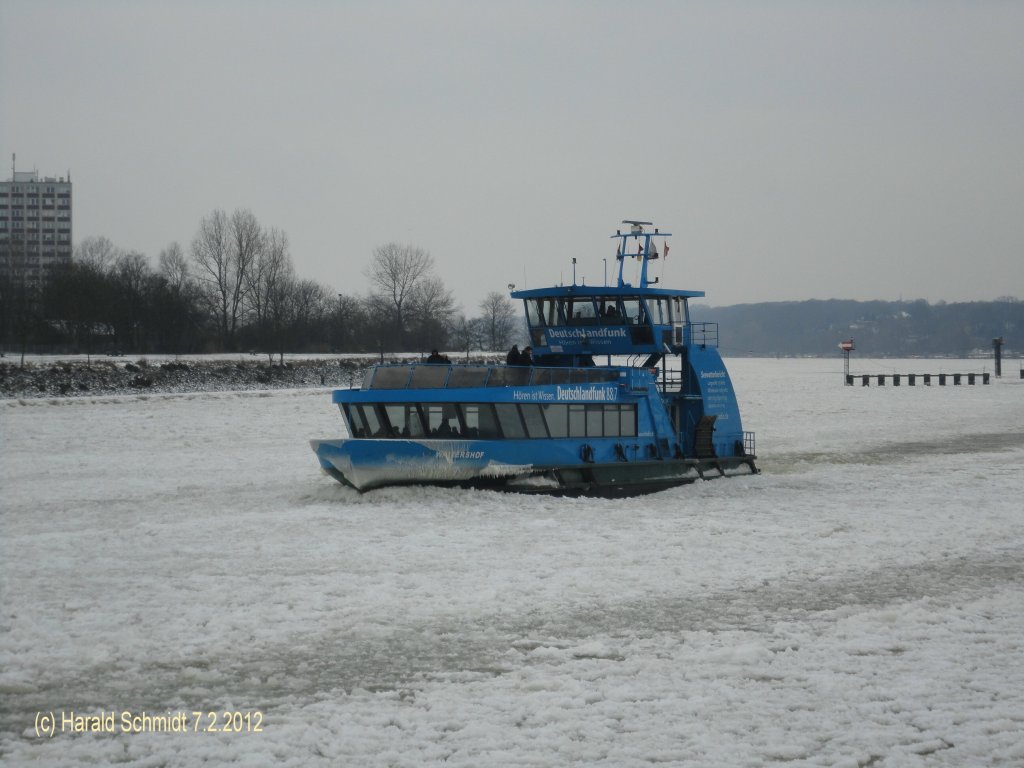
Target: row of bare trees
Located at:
point(235, 288)
point(419, 312)
point(244, 278)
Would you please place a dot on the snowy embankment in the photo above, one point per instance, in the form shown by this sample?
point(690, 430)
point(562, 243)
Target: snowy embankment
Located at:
point(859, 603)
point(79, 376)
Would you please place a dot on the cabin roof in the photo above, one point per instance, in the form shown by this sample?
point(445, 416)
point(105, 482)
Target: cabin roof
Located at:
point(603, 290)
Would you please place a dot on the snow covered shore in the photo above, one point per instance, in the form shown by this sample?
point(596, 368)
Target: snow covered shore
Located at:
point(76, 378)
point(860, 603)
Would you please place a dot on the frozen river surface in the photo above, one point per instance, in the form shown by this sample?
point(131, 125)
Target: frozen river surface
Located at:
point(860, 603)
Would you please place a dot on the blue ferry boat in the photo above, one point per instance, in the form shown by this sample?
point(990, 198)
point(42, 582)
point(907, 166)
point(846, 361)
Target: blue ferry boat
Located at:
point(625, 395)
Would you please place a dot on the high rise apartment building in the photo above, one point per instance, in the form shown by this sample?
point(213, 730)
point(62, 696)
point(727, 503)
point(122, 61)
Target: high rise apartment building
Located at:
point(35, 224)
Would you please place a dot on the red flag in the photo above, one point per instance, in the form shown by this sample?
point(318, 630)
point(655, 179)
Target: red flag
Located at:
point(639, 250)
point(665, 246)
point(618, 253)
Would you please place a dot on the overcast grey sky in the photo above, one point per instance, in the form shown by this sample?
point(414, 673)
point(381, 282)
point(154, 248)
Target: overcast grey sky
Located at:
point(795, 149)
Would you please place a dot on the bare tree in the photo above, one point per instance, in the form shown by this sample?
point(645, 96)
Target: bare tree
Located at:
point(376, 333)
point(294, 309)
point(131, 275)
point(173, 267)
point(78, 296)
point(247, 245)
point(20, 296)
point(269, 283)
point(224, 250)
point(211, 254)
point(272, 268)
point(175, 300)
point(466, 333)
point(498, 320)
point(349, 320)
point(431, 307)
point(396, 271)
point(98, 252)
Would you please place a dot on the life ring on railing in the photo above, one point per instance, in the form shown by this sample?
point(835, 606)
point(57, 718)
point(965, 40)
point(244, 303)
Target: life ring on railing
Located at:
point(587, 453)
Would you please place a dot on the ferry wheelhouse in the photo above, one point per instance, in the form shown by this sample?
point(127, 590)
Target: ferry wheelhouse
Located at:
point(625, 395)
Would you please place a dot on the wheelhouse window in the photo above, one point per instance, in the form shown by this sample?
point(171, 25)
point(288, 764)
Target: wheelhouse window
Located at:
point(660, 309)
point(633, 309)
point(580, 312)
point(609, 311)
point(542, 312)
point(681, 309)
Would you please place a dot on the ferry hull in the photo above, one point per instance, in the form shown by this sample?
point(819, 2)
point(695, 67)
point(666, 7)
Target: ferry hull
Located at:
point(557, 469)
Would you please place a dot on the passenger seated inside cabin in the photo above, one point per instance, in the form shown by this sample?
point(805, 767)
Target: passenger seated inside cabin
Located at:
point(437, 359)
point(527, 357)
point(611, 313)
point(446, 430)
point(513, 356)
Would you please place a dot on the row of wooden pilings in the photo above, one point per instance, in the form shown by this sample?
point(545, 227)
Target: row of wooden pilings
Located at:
point(926, 379)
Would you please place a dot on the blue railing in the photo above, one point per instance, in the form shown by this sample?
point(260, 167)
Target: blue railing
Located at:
point(701, 334)
point(426, 376)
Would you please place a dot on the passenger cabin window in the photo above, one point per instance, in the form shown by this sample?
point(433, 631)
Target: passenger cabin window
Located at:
point(356, 425)
point(491, 421)
point(368, 421)
point(577, 421)
point(511, 425)
point(404, 420)
point(556, 416)
point(442, 420)
point(480, 421)
point(612, 427)
point(534, 421)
